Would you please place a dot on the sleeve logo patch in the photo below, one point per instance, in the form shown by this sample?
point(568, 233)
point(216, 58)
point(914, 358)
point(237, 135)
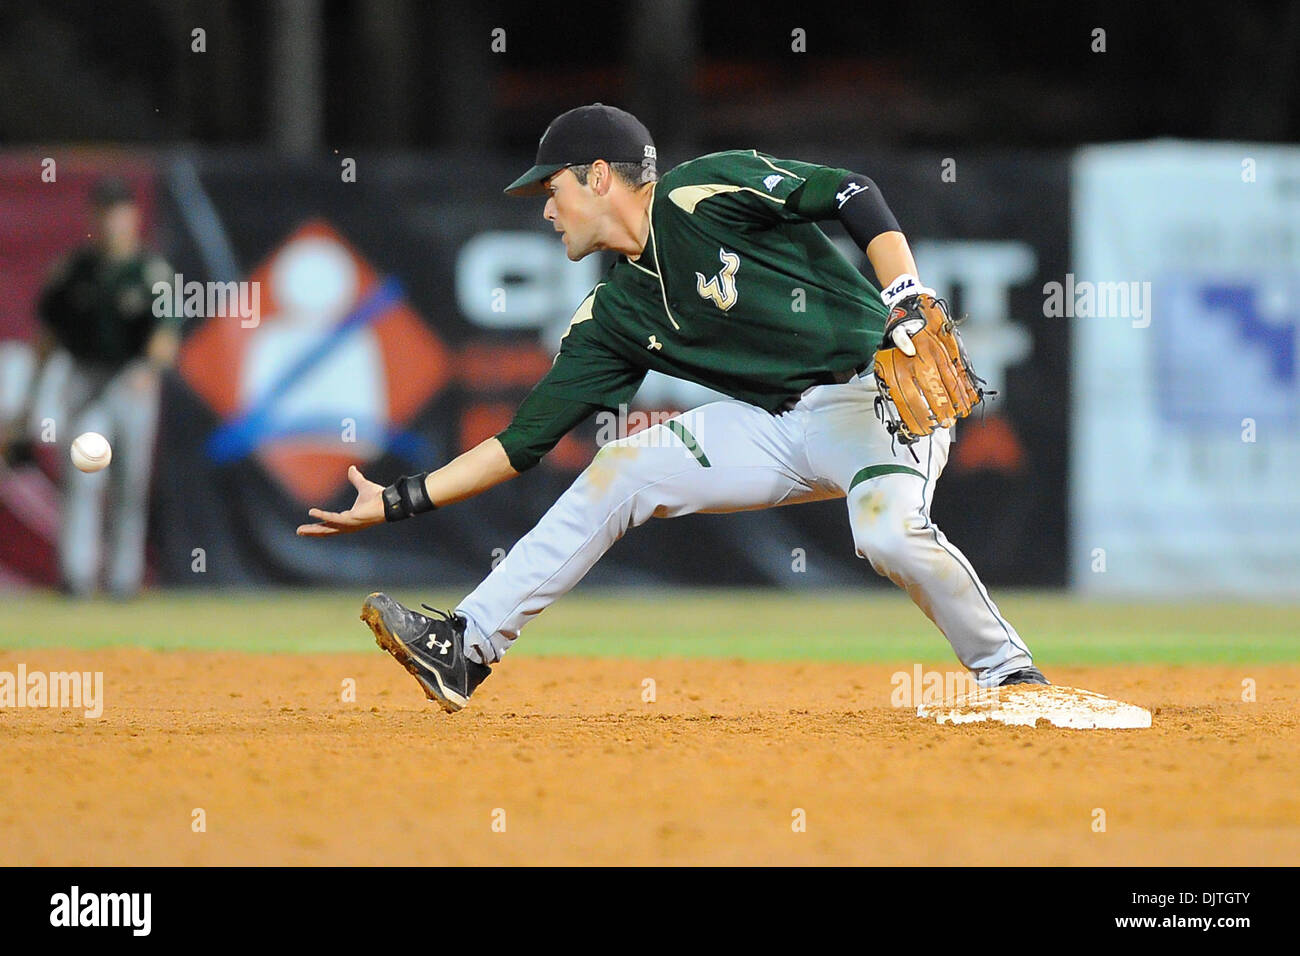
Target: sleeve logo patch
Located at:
point(851, 190)
point(771, 181)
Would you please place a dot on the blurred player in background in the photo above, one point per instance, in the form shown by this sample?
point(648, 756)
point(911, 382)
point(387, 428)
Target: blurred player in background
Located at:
point(101, 349)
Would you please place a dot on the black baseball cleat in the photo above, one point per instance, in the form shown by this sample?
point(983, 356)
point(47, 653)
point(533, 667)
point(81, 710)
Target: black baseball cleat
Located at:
point(432, 649)
point(1026, 675)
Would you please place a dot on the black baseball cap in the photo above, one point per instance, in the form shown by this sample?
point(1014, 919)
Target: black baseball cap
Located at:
point(584, 135)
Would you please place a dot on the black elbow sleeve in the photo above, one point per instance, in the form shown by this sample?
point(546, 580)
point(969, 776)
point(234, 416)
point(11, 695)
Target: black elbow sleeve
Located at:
point(862, 209)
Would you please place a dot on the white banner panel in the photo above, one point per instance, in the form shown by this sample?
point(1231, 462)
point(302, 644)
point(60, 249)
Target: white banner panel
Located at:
point(1185, 462)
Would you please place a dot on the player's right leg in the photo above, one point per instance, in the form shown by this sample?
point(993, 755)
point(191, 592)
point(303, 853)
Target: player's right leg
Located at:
point(889, 489)
point(722, 457)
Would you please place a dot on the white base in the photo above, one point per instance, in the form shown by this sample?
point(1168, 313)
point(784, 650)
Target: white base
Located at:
point(1024, 705)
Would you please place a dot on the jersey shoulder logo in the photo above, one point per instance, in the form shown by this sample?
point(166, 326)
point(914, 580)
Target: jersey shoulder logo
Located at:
point(722, 287)
point(771, 181)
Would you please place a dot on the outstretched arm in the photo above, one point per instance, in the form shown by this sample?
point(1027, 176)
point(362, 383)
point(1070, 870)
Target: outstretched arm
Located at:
point(482, 467)
point(584, 377)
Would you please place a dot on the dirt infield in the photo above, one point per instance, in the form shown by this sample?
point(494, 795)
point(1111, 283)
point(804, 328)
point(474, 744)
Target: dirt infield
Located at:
point(580, 770)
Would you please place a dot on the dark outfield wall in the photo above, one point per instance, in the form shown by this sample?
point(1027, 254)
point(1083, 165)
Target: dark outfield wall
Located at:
point(256, 428)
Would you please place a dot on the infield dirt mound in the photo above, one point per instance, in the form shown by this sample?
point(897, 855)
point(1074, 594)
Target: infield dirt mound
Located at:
point(581, 770)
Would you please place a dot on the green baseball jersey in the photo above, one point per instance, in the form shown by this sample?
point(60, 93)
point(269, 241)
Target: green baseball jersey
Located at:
point(737, 289)
point(102, 311)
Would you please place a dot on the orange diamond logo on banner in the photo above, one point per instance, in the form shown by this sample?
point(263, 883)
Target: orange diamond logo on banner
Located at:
point(331, 367)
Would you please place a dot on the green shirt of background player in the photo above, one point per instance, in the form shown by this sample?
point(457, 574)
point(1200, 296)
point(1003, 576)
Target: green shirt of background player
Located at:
point(757, 345)
point(98, 302)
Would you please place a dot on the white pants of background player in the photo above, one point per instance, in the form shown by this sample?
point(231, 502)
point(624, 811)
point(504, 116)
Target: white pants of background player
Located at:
point(732, 456)
point(122, 405)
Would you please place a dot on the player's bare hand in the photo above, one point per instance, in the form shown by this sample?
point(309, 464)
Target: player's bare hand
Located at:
point(367, 510)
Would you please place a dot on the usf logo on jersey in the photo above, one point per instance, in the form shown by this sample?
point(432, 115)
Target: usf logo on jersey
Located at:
point(722, 287)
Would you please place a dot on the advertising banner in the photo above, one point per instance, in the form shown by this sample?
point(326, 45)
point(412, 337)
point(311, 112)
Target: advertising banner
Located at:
point(1184, 306)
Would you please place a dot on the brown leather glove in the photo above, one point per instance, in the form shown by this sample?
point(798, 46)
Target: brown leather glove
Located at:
point(934, 387)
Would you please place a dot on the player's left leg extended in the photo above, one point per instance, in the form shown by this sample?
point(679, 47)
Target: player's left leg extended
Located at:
point(722, 457)
point(888, 493)
point(725, 456)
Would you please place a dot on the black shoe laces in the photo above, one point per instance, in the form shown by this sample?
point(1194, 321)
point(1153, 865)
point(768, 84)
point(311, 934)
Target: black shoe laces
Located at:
point(449, 617)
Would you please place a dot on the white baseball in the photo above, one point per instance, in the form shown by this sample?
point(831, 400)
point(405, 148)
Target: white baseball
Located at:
point(91, 452)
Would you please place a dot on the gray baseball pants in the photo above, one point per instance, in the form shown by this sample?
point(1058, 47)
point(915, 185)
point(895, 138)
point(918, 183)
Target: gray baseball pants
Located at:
point(731, 456)
point(105, 513)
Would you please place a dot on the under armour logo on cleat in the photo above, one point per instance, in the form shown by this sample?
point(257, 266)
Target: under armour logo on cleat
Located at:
point(443, 646)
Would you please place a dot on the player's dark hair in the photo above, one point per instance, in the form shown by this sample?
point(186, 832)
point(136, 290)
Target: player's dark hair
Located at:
point(629, 173)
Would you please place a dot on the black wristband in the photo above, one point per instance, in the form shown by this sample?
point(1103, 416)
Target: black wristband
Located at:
point(862, 210)
point(406, 497)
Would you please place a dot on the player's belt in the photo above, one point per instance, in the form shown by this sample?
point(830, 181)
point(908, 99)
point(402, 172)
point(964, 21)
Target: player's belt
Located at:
point(839, 378)
point(826, 378)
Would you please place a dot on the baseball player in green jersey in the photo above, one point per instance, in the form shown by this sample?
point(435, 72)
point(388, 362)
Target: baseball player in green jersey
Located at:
point(103, 347)
point(723, 279)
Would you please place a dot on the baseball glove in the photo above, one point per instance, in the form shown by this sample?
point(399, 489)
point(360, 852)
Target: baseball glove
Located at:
point(935, 386)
